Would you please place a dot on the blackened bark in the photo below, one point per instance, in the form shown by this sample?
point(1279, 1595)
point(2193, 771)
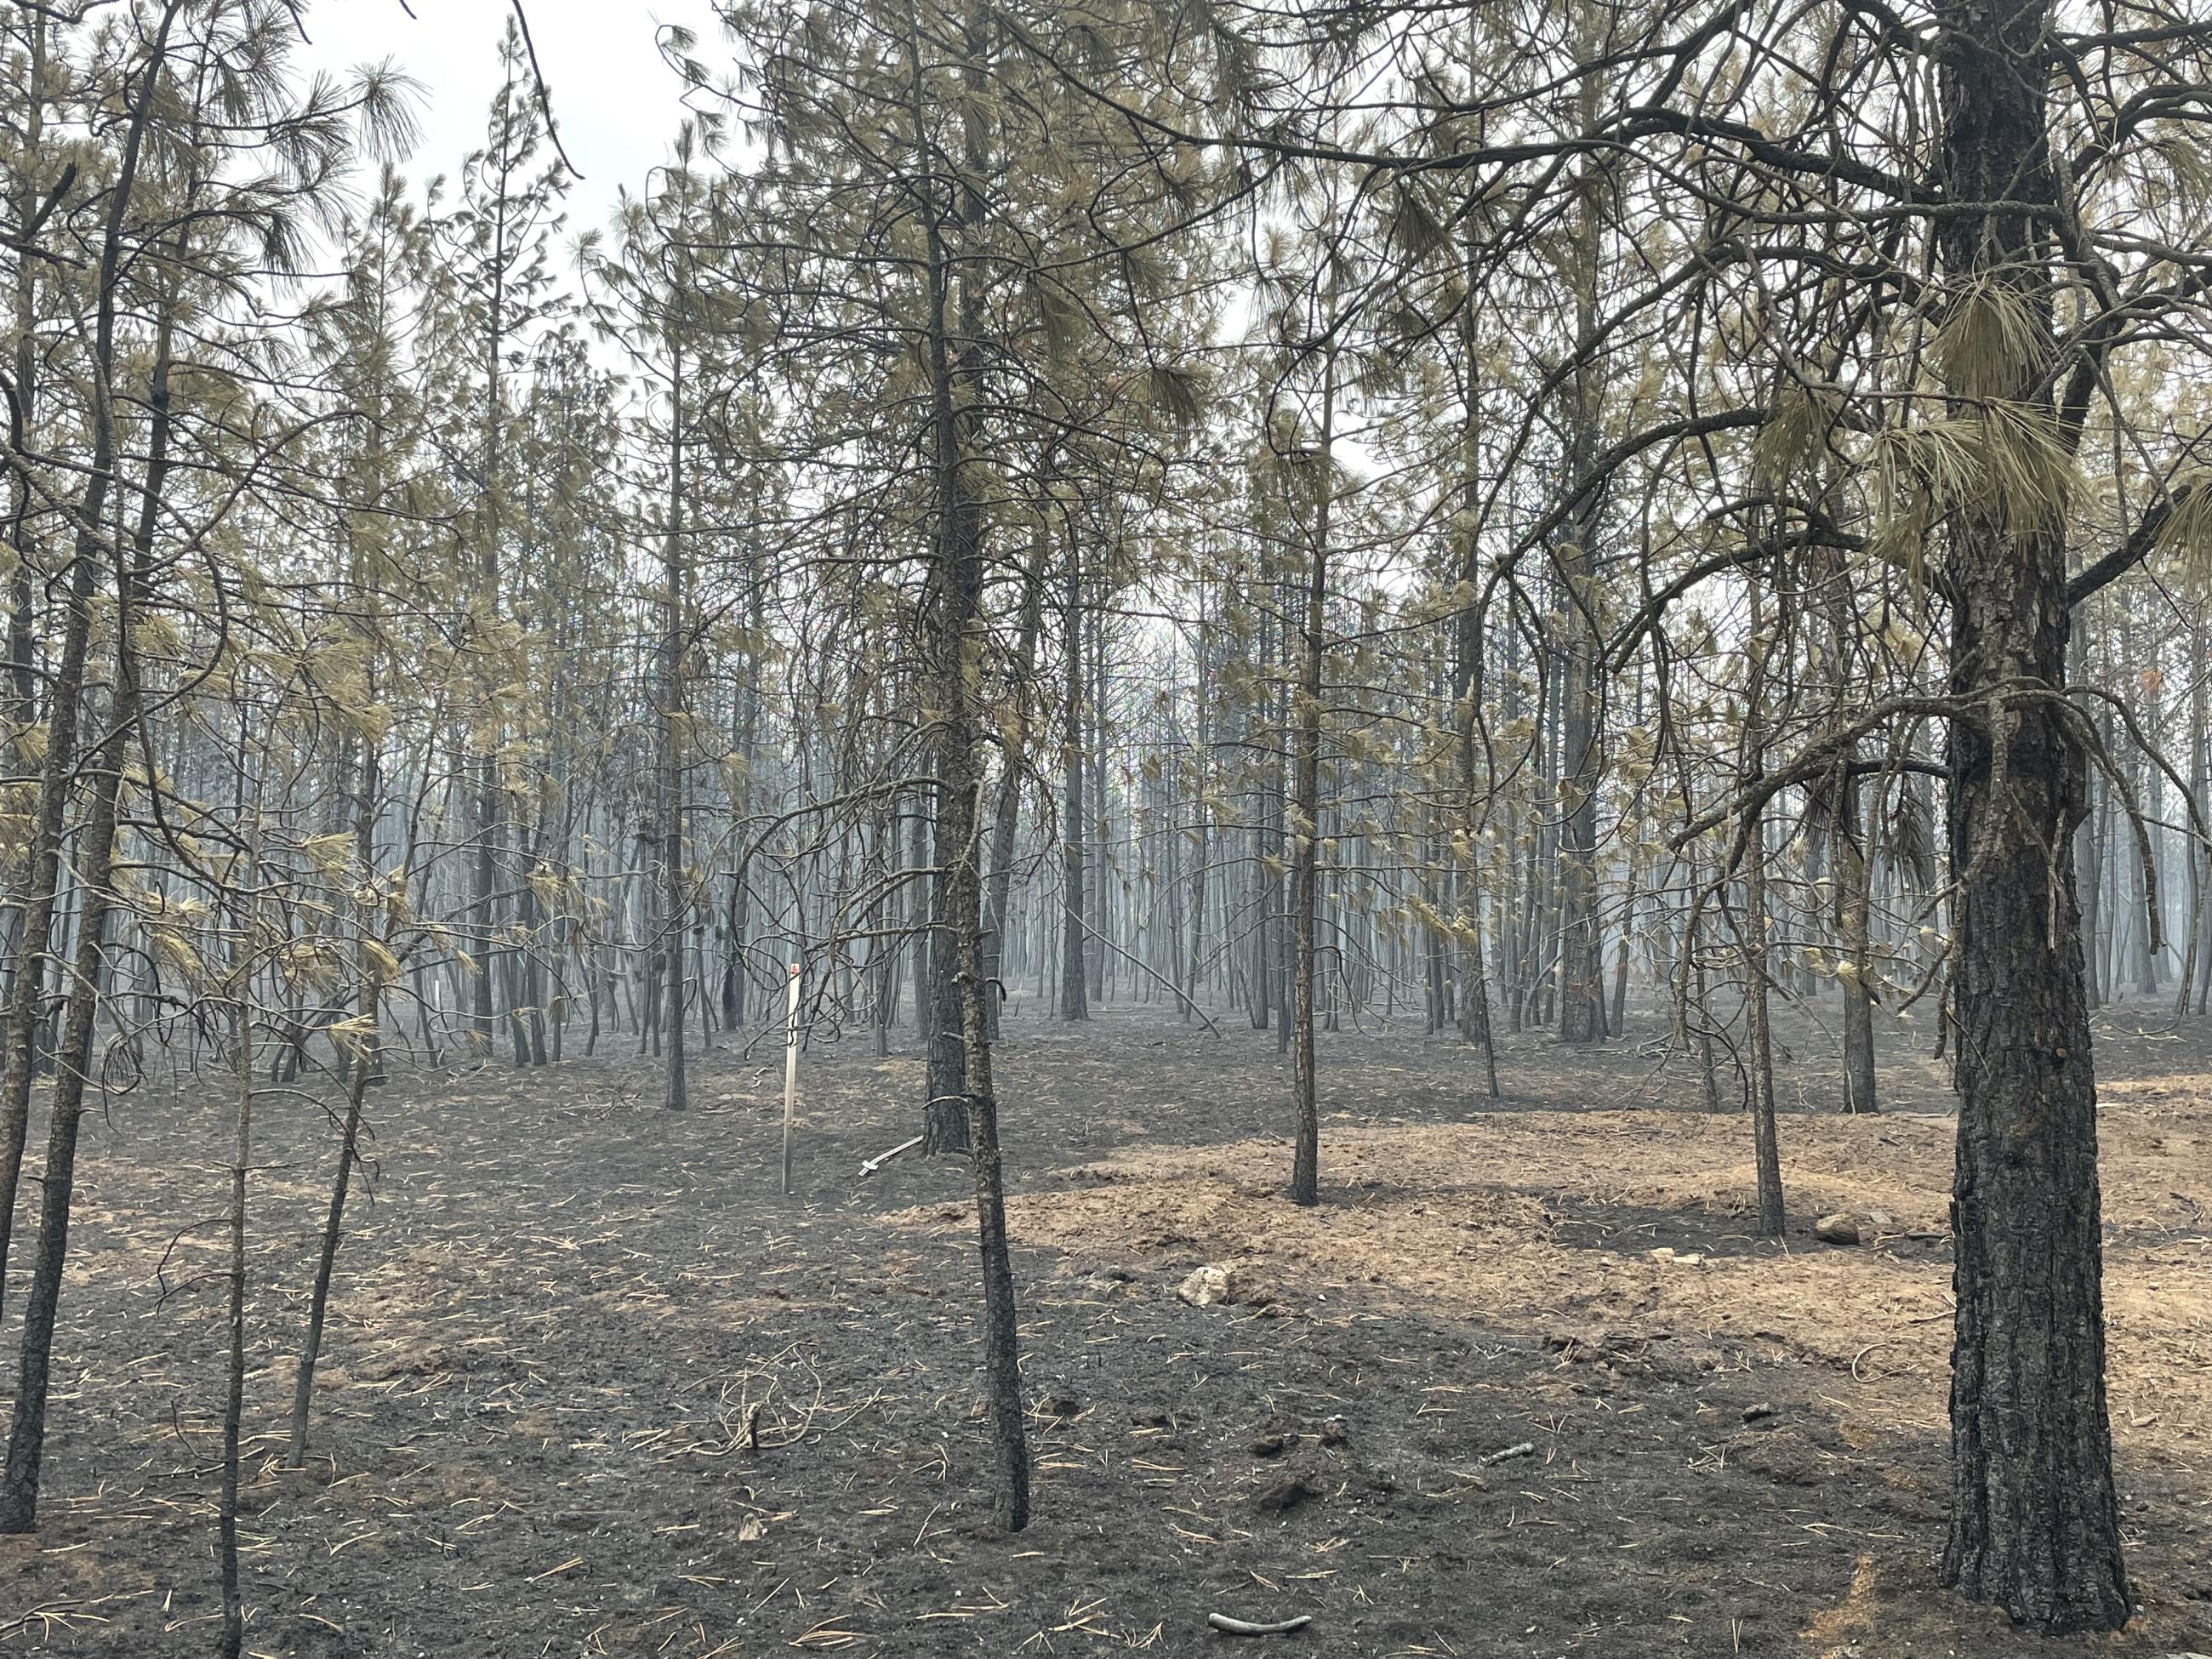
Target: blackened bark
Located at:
point(1001, 1346)
point(2035, 1520)
point(961, 1111)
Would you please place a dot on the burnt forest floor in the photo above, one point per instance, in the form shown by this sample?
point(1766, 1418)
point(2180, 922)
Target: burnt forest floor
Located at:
point(564, 1310)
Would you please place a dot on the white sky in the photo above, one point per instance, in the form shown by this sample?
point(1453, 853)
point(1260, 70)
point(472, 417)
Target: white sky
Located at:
point(615, 100)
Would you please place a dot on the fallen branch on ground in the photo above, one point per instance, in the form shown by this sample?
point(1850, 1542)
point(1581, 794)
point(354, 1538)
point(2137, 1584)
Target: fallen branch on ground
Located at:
point(1223, 1622)
point(877, 1162)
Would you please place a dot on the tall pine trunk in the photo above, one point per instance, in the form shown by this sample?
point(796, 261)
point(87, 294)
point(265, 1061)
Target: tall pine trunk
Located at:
point(2035, 1518)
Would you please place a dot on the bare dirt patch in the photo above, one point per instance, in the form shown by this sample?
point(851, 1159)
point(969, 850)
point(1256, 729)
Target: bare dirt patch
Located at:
point(594, 1386)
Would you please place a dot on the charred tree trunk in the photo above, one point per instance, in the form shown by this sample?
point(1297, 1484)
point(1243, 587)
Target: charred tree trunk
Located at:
point(960, 1082)
point(2035, 1518)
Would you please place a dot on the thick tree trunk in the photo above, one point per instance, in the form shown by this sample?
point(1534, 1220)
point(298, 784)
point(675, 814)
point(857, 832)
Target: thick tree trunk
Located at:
point(2035, 1523)
point(2035, 1518)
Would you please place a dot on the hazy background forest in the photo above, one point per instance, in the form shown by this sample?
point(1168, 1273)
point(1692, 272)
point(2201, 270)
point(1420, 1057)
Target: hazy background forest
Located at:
point(990, 825)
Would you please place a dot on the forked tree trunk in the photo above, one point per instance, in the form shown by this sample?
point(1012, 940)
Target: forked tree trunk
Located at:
point(19, 1033)
point(27, 1429)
